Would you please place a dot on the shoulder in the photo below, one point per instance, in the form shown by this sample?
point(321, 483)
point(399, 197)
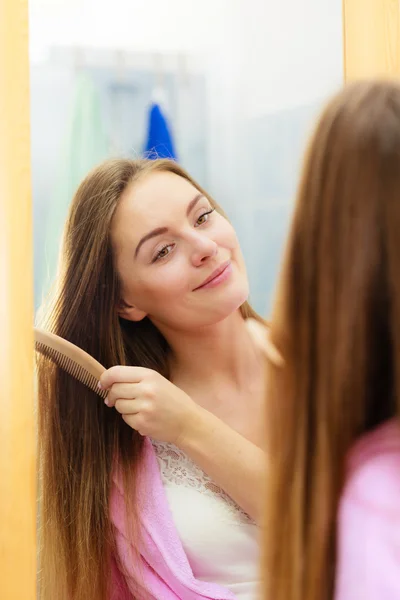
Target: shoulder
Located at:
point(373, 476)
point(260, 331)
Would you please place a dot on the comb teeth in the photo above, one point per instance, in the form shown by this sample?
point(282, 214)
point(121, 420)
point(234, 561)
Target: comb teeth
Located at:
point(71, 367)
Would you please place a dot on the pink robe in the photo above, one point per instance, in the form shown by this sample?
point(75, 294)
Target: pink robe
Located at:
point(368, 565)
point(164, 567)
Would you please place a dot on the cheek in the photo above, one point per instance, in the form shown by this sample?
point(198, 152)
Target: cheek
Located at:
point(163, 282)
point(225, 234)
point(228, 239)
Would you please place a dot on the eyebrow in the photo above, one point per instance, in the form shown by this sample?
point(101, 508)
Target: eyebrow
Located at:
point(162, 230)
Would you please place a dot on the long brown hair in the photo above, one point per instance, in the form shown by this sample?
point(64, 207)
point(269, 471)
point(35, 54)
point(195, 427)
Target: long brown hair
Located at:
point(336, 323)
point(78, 437)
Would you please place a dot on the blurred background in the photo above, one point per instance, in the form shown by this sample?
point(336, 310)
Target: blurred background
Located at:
point(230, 88)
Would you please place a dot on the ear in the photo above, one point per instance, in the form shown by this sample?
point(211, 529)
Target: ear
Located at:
point(130, 312)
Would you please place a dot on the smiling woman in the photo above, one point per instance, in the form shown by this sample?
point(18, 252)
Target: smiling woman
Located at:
point(154, 494)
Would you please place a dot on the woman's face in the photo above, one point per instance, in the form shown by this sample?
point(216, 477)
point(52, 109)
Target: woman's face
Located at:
point(179, 261)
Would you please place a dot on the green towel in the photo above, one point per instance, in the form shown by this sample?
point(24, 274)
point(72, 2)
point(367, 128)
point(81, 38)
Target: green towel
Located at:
point(86, 145)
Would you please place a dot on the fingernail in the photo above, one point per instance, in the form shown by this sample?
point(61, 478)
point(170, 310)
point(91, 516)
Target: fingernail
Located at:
point(99, 386)
point(106, 402)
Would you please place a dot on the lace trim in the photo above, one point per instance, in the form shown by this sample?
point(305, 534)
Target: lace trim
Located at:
point(179, 469)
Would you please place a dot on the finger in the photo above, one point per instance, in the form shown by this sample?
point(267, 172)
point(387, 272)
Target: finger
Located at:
point(121, 374)
point(261, 338)
point(136, 422)
point(131, 407)
point(127, 391)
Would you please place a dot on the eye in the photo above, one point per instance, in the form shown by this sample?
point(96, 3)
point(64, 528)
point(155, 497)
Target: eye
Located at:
point(204, 217)
point(163, 252)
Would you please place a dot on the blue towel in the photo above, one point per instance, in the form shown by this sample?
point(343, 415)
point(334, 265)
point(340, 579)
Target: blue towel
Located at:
point(159, 139)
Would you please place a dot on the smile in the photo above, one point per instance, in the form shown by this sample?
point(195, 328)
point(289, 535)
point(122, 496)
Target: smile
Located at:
point(217, 277)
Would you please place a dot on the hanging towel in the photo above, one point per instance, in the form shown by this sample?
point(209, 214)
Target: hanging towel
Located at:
point(85, 145)
point(159, 139)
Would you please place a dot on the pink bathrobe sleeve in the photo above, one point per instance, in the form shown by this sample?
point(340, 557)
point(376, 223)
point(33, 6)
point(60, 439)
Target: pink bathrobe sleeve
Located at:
point(368, 566)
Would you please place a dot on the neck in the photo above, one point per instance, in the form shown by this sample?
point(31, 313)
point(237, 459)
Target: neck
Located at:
point(221, 352)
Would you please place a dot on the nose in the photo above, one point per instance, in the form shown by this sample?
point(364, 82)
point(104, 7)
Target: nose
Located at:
point(203, 248)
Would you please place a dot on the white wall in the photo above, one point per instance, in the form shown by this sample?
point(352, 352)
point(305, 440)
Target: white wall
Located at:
point(140, 25)
point(287, 51)
point(297, 47)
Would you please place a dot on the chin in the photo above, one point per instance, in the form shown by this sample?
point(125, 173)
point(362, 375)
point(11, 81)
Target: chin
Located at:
point(230, 300)
point(233, 304)
point(216, 306)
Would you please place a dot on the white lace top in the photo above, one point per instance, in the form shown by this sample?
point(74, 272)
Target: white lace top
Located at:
point(220, 540)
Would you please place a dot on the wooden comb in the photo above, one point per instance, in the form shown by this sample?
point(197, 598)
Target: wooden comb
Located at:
point(71, 359)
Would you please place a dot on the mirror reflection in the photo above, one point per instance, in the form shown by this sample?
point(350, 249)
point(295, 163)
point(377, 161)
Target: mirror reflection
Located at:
point(166, 145)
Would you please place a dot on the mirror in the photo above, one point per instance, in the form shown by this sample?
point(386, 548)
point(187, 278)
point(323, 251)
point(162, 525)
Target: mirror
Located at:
point(232, 88)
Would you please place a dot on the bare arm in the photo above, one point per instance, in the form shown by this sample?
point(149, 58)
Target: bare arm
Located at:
point(235, 464)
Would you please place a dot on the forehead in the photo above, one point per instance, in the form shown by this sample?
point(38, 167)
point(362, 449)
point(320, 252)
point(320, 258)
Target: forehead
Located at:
point(152, 201)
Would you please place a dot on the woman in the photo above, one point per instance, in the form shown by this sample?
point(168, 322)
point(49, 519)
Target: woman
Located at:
point(152, 279)
point(334, 399)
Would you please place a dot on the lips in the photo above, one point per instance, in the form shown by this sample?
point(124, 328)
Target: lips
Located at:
point(214, 274)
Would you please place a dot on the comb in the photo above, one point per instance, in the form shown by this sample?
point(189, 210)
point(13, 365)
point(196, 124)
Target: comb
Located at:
point(71, 359)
